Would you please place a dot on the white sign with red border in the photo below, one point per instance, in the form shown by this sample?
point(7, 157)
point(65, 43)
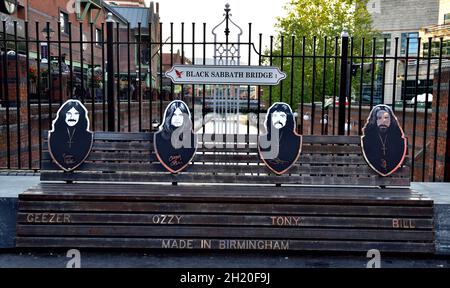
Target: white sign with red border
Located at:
point(239, 75)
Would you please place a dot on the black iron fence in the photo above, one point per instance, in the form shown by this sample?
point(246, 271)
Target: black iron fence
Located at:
point(118, 72)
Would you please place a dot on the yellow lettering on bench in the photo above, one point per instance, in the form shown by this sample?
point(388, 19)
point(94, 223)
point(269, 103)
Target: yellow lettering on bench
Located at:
point(285, 221)
point(48, 218)
point(403, 224)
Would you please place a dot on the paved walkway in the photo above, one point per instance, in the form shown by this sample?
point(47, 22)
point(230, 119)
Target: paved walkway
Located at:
point(193, 259)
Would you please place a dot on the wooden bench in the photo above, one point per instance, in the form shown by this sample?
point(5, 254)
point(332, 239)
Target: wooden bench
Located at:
point(123, 198)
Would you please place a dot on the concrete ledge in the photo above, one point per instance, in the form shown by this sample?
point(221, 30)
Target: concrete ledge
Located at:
point(10, 188)
point(440, 193)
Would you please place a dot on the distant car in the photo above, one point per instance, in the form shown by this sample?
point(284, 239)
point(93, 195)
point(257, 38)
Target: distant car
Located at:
point(421, 98)
point(329, 102)
point(366, 100)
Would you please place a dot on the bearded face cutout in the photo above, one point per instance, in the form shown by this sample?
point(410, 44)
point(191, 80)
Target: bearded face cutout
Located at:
point(383, 143)
point(70, 140)
point(280, 148)
point(175, 143)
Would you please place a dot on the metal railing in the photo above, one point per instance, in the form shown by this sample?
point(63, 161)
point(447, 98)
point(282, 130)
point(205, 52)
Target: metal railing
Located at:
point(332, 84)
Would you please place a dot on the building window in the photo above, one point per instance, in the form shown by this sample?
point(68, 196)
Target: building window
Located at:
point(44, 51)
point(447, 18)
point(98, 37)
point(436, 47)
point(380, 45)
point(413, 43)
point(64, 19)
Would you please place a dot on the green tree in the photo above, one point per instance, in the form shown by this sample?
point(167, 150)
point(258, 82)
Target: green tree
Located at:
point(314, 25)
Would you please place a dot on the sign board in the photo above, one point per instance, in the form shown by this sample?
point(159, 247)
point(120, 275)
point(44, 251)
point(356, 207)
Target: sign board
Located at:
point(239, 75)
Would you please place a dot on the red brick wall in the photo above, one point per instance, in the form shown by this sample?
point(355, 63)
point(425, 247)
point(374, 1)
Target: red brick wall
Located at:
point(48, 11)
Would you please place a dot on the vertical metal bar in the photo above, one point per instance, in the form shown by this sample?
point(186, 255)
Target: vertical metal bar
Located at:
point(49, 78)
point(361, 82)
point(60, 65)
point(248, 87)
point(182, 56)
point(138, 89)
point(313, 87)
point(92, 77)
point(415, 110)
point(372, 77)
point(324, 72)
point(6, 89)
point(343, 84)
point(425, 125)
point(172, 89)
point(82, 62)
point(118, 76)
point(129, 77)
point(193, 86)
point(302, 96)
point(38, 60)
point(18, 104)
point(27, 65)
point(259, 87)
point(204, 86)
point(349, 88)
point(336, 45)
point(383, 85)
point(110, 73)
point(438, 100)
point(291, 100)
point(150, 71)
point(282, 66)
point(103, 77)
point(405, 84)
point(160, 74)
point(270, 63)
point(72, 80)
point(394, 81)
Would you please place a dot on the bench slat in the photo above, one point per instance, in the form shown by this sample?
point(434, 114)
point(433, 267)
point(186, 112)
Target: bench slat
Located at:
point(239, 169)
point(229, 220)
point(293, 245)
point(230, 232)
point(221, 178)
point(228, 208)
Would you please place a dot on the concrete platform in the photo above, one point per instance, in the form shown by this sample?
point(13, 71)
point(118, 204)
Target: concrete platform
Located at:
point(11, 186)
point(13, 183)
point(203, 259)
point(440, 193)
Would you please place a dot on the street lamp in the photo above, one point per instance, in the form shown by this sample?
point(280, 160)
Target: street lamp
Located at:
point(48, 33)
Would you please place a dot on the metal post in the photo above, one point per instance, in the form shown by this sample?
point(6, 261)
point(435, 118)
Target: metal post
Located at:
point(110, 72)
point(343, 83)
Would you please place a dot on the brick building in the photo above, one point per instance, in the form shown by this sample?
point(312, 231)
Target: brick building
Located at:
point(405, 19)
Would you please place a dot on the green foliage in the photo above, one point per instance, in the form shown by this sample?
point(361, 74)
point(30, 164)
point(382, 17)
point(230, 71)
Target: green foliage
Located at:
point(314, 25)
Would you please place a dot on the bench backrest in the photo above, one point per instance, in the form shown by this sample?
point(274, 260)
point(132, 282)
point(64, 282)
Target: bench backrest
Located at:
point(130, 157)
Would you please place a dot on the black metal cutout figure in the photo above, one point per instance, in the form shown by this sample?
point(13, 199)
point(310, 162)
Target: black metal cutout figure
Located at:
point(383, 143)
point(280, 148)
point(70, 140)
point(175, 143)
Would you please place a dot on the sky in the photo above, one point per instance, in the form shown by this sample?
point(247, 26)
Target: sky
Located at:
point(261, 13)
